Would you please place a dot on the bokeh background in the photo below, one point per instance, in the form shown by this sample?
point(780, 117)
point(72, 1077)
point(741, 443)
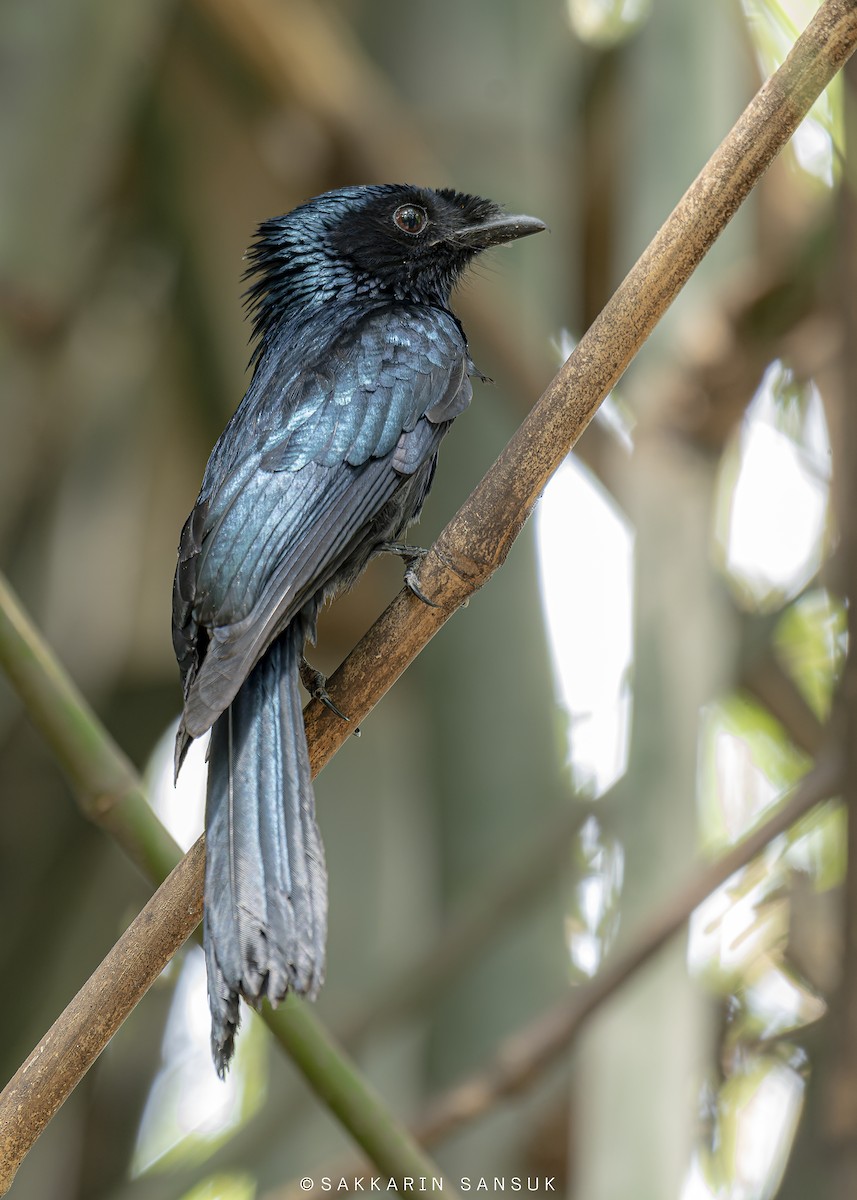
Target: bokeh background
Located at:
point(637, 688)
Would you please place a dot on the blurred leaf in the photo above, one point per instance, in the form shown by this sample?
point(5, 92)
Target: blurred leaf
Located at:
point(760, 1106)
point(775, 1001)
point(742, 922)
point(818, 846)
point(746, 764)
point(810, 641)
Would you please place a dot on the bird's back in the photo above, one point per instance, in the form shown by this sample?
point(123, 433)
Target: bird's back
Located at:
point(330, 452)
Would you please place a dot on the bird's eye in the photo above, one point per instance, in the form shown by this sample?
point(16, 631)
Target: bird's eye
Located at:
point(410, 218)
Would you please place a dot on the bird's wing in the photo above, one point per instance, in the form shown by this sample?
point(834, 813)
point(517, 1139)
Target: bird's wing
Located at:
point(369, 387)
point(278, 521)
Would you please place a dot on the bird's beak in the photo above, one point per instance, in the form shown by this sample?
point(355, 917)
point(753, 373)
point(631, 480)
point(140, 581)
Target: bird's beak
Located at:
point(498, 231)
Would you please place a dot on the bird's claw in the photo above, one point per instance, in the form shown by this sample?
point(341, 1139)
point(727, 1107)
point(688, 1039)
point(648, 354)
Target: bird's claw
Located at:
point(412, 582)
point(412, 556)
point(316, 684)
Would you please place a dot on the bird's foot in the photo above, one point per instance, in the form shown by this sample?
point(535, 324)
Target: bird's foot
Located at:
point(407, 553)
point(412, 556)
point(316, 684)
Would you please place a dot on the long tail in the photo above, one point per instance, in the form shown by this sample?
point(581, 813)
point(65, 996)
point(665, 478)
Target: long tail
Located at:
point(265, 880)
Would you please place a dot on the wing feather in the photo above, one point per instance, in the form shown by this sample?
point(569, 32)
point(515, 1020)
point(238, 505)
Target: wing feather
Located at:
point(349, 445)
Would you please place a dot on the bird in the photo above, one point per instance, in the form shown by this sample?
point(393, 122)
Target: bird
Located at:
point(359, 368)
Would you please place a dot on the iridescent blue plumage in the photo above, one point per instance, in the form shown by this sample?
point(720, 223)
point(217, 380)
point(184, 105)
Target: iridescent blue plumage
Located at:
point(359, 369)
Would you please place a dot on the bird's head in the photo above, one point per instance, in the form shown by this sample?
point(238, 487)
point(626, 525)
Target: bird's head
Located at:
point(391, 240)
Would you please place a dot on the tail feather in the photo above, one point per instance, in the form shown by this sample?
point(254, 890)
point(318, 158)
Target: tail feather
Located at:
point(265, 879)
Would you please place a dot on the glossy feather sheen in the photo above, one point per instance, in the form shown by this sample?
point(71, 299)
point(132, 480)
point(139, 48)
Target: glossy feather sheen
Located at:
point(265, 884)
point(359, 370)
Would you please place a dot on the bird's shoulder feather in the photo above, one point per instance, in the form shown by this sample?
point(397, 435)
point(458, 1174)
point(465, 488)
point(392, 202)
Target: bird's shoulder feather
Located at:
point(315, 453)
point(352, 399)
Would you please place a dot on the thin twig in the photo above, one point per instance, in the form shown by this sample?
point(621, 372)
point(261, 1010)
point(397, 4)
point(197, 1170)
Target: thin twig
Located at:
point(769, 683)
point(523, 1058)
point(475, 543)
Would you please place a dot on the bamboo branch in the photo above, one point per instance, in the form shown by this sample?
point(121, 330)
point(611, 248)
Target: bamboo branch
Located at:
point(476, 541)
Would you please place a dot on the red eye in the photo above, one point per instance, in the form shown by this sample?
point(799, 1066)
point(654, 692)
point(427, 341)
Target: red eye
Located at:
point(410, 218)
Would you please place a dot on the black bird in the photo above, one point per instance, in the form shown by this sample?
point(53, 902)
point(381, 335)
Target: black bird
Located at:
point(360, 367)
